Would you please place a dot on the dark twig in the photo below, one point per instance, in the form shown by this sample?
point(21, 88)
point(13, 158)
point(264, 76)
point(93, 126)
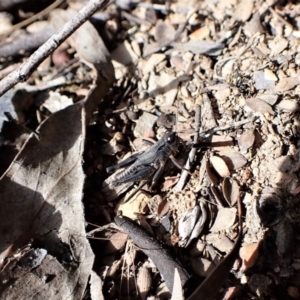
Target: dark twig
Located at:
point(33, 18)
point(161, 257)
point(187, 167)
point(24, 71)
point(208, 133)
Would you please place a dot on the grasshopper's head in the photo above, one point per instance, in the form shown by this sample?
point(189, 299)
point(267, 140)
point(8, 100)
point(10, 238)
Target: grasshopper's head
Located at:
point(172, 140)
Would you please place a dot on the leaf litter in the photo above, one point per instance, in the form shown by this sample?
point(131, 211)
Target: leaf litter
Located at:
point(236, 60)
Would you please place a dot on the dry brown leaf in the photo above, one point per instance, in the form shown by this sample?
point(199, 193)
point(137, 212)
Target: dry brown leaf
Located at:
point(234, 159)
point(231, 191)
point(220, 166)
point(253, 26)
point(269, 75)
point(259, 105)
point(277, 45)
point(136, 205)
point(249, 254)
point(170, 181)
point(225, 219)
point(246, 140)
point(286, 84)
point(202, 266)
point(46, 181)
point(219, 241)
point(163, 208)
point(86, 41)
point(164, 32)
point(211, 173)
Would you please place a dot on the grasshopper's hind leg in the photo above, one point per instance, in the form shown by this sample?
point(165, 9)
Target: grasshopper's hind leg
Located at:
point(157, 175)
point(141, 174)
point(130, 160)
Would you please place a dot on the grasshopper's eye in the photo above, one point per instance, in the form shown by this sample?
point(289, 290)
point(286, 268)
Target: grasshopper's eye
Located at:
point(170, 139)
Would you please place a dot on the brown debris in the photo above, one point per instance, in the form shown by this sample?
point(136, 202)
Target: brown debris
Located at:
point(222, 75)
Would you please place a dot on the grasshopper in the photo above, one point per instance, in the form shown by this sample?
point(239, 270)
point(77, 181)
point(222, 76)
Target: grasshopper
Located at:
point(149, 163)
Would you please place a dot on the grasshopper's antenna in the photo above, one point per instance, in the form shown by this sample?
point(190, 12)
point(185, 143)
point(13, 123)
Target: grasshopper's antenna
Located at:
point(176, 116)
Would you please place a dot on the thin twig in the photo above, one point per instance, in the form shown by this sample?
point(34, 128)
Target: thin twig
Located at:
point(184, 174)
point(33, 18)
point(209, 132)
point(24, 71)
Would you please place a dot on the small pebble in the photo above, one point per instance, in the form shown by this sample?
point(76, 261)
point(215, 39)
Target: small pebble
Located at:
point(293, 292)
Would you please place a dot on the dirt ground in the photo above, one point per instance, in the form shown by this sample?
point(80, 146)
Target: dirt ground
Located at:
point(201, 100)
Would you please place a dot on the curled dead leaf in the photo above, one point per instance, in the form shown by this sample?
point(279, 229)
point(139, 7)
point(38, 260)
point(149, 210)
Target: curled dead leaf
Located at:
point(220, 166)
point(136, 205)
point(234, 159)
point(211, 174)
point(231, 190)
point(163, 208)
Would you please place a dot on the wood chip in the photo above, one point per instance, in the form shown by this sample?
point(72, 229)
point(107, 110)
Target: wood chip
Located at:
point(269, 75)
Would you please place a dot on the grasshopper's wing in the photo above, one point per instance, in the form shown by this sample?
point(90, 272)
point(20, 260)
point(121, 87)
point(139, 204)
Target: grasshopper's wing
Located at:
point(129, 160)
point(149, 156)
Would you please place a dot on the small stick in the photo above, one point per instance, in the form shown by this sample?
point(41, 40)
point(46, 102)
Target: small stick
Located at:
point(210, 287)
point(32, 19)
point(209, 132)
point(187, 167)
point(22, 73)
point(163, 259)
